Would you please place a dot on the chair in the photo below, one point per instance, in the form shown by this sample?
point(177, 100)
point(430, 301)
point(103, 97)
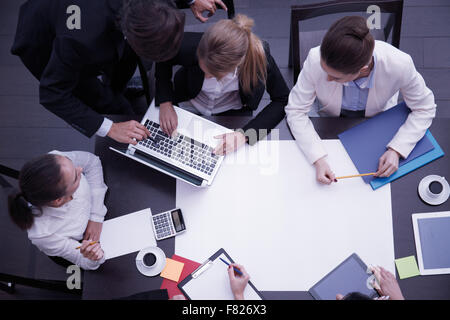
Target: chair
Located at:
point(145, 81)
point(304, 12)
point(21, 262)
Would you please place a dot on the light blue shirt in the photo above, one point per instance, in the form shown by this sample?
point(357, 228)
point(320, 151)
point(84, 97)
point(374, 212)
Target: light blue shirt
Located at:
point(355, 93)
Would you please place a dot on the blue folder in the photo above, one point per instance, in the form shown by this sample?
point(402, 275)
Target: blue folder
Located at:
point(366, 143)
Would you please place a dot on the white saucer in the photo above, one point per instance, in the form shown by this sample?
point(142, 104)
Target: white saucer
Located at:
point(157, 267)
point(428, 196)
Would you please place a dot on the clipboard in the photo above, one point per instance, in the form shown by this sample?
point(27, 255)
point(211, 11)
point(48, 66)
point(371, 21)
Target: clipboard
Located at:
point(210, 281)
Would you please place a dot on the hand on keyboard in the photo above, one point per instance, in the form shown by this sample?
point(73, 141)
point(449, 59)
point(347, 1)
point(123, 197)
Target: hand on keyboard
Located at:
point(168, 118)
point(182, 149)
point(128, 132)
point(230, 142)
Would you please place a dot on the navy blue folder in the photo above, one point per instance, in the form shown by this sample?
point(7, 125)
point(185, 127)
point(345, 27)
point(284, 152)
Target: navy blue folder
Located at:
point(366, 142)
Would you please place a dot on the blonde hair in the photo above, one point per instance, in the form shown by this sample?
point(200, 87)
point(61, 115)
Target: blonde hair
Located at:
point(230, 43)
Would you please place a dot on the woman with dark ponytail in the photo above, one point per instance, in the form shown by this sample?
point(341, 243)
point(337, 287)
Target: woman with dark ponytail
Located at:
point(226, 68)
point(60, 203)
point(352, 75)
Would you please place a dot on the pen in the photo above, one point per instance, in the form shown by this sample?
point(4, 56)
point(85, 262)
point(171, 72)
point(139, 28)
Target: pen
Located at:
point(90, 244)
point(235, 269)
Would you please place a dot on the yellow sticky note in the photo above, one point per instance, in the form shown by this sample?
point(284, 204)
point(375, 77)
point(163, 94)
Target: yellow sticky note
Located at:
point(172, 270)
point(407, 267)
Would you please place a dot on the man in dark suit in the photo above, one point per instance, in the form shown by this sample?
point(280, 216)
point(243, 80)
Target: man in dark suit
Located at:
point(84, 52)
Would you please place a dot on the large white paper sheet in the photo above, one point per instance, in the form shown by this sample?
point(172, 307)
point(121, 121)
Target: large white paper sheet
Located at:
point(267, 210)
point(127, 234)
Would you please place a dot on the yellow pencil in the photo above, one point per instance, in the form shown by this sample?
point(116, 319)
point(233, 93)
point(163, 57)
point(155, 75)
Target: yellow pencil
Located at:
point(357, 175)
point(90, 244)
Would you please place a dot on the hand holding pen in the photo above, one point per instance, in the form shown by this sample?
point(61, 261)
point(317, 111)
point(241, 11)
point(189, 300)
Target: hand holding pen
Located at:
point(236, 270)
point(238, 282)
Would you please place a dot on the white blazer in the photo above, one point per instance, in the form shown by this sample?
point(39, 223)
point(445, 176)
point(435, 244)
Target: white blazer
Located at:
point(394, 72)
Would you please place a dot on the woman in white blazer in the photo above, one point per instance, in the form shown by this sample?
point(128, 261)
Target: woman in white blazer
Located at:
point(351, 74)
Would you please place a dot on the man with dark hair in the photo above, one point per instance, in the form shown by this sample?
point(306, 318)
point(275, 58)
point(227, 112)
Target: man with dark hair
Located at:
point(84, 52)
point(352, 75)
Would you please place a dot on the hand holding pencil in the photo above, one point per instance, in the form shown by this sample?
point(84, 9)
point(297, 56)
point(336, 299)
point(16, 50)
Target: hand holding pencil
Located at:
point(324, 174)
point(91, 250)
point(90, 244)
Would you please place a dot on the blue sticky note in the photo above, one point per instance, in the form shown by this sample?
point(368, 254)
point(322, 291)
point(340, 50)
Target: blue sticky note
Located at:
point(418, 162)
point(366, 142)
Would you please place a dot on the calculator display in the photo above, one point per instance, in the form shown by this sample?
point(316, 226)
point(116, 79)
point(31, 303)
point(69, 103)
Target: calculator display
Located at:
point(178, 220)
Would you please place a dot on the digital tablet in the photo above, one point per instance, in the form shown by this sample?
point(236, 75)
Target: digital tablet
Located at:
point(350, 276)
point(431, 232)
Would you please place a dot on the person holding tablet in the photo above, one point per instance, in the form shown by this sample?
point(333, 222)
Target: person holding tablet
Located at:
point(389, 288)
point(226, 68)
point(60, 204)
point(352, 75)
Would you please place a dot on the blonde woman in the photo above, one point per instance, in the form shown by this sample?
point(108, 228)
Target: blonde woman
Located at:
point(226, 68)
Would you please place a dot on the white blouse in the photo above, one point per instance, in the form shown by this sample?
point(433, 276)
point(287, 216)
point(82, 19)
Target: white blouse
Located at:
point(217, 96)
point(58, 231)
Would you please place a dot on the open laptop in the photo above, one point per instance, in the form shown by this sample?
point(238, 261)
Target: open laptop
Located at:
point(188, 155)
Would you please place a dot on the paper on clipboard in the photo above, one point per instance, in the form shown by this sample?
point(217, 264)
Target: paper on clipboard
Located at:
point(214, 284)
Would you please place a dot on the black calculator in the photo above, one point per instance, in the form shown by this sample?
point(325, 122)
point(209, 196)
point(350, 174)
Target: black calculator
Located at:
point(168, 224)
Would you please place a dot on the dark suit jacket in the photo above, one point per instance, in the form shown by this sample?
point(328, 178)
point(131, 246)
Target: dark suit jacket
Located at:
point(59, 58)
point(188, 83)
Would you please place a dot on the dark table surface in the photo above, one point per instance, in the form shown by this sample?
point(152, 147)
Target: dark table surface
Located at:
point(133, 187)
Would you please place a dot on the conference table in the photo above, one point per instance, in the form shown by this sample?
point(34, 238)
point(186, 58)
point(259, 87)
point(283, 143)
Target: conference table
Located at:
point(133, 187)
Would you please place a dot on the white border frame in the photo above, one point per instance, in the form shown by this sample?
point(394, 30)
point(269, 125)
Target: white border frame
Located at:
point(430, 215)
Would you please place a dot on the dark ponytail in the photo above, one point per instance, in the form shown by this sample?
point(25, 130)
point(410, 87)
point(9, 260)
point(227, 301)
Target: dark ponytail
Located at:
point(347, 45)
point(40, 182)
point(20, 211)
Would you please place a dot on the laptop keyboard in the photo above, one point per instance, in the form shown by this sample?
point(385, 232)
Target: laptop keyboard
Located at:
point(180, 148)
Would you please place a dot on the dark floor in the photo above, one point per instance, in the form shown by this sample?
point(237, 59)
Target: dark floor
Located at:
point(27, 129)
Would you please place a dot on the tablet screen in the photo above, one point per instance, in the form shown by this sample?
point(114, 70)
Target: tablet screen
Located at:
point(349, 276)
point(434, 240)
